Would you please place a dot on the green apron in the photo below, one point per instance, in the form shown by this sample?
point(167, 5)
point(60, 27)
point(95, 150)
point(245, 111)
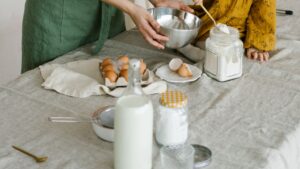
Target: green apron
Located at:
point(52, 28)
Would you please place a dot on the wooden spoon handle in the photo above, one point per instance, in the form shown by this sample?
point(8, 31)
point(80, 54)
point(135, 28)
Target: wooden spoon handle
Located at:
point(25, 152)
point(206, 11)
point(208, 14)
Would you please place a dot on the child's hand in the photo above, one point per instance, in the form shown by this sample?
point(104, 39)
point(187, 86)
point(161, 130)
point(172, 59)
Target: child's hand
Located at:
point(255, 54)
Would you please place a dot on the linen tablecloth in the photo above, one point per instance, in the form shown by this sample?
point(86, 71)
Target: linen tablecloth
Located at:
point(248, 123)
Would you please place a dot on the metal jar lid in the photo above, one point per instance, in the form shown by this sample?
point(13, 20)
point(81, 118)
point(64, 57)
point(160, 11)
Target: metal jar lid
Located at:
point(173, 99)
point(202, 156)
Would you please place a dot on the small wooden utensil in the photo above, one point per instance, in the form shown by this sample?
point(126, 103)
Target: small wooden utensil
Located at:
point(206, 11)
point(36, 158)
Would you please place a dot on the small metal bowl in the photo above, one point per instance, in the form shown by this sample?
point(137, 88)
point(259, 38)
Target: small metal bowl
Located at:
point(181, 27)
point(103, 123)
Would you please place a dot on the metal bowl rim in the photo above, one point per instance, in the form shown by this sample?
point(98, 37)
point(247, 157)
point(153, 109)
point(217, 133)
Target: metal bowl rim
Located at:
point(97, 113)
point(180, 30)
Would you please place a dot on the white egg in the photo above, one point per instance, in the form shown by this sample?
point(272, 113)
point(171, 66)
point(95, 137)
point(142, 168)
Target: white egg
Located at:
point(175, 64)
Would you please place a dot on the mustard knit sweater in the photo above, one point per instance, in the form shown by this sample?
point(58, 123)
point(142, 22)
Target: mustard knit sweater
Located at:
point(255, 20)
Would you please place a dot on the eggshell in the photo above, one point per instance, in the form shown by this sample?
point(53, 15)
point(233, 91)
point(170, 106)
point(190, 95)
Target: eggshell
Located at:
point(175, 64)
point(106, 61)
point(108, 67)
point(111, 75)
point(123, 60)
point(124, 74)
point(185, 70)
point(143, 67)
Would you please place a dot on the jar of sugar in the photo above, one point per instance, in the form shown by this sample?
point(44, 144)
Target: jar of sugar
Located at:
point(172, 123)
point(224, 53)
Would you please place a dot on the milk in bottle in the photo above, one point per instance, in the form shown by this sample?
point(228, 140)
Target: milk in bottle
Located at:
point(133, 125)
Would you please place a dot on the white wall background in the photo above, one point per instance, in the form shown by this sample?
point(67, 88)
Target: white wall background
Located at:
point(11, 15)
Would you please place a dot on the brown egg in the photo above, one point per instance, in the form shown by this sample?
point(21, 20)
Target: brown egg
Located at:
point(108, 67)
point(124, 74)
point(185, 71)
point(111, 75)
point(143, 67)
point(106, 61)
point(123, 60)
point(124, 67)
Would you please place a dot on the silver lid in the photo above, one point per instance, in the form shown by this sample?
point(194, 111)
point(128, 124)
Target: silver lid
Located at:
point(202, 156)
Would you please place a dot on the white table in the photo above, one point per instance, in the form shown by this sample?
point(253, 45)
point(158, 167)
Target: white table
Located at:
point(249, 123)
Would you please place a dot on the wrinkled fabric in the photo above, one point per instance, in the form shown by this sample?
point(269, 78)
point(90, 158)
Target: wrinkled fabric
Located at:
point(248, 123)
point(255, 20)
point(54, 27)
point(83, 79)
point(251, 122)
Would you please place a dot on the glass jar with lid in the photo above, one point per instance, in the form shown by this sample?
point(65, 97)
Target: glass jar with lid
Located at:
point(224, 54)
point(172, 121)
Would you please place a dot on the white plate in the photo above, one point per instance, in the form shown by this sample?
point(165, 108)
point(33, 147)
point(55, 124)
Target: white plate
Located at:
point(168, 75)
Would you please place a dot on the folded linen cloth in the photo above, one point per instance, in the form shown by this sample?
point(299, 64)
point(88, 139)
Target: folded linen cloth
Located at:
point(194, 53)
point(83, 79)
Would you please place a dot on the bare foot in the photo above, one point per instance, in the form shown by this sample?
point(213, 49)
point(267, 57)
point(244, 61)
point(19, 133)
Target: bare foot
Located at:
point(255, 54)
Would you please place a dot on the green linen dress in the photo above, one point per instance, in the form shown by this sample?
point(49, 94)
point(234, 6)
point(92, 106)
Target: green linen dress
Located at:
point(52, 28)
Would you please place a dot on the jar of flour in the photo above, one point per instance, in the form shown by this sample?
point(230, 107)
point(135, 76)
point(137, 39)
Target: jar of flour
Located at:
point(172, 123)
point(224, 54)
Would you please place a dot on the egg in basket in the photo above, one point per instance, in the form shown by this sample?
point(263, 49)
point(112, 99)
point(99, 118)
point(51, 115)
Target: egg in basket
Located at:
point(115, 72)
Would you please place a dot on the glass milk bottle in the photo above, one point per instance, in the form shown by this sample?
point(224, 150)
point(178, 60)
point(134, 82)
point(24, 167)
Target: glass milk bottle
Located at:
point(133, 132)
point(224, 54)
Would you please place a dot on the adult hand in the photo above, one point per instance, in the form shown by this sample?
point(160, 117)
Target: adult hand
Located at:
point(147, 26)
point(172, 4)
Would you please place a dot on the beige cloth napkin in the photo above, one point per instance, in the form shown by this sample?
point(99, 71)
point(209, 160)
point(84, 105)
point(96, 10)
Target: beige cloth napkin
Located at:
point(194, 53)
point(83, 79)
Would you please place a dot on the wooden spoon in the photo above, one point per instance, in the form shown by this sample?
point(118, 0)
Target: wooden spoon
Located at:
point(206, 11)
point(37, 159)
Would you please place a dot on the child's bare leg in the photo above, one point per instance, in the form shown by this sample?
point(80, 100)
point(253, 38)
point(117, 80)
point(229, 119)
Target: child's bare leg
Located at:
point(255, 54)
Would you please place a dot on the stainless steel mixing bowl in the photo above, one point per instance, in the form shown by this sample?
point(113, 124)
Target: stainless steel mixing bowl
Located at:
point(181, 27)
